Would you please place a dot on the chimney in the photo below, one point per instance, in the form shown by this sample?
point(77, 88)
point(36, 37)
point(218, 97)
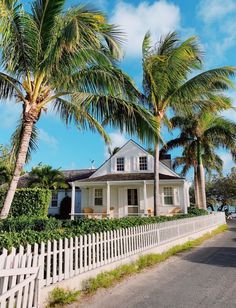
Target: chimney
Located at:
point(166, 159)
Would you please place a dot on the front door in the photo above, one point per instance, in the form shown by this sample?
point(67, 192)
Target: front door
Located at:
point(133, 204)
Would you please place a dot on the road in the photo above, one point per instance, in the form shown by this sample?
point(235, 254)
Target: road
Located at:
point(203, 277)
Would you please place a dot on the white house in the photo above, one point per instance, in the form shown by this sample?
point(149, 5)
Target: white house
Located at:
point(124, 185)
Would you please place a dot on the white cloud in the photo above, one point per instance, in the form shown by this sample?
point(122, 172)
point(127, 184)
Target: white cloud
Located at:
point(213, 10)
point(48, 139)
point(160, 17)
point(218, 17)
point(117, 140)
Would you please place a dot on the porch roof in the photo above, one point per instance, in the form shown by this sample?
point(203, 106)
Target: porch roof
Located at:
point(130, 177)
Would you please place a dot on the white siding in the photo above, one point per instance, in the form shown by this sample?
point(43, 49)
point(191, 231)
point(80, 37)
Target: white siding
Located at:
point(131, 152)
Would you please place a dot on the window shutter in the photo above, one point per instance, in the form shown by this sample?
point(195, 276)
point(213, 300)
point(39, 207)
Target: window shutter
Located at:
point(150, 163)
point(113, 164)
point(176, 196)
point(127, 163)
point(134, 163)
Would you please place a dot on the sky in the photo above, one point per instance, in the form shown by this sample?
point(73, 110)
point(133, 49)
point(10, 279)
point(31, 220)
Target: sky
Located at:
point(213, 21)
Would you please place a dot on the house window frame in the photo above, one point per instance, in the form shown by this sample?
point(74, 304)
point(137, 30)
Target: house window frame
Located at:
point(120, 166)
point(98, 197)
point(54, 199)
point(143, 165)
point(168, 195)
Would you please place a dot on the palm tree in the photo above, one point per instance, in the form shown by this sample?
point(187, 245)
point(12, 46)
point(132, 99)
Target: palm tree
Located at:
point(166, 83)
point(211, 161)
point(201, 134)
point(44, 176)
point(66, 59)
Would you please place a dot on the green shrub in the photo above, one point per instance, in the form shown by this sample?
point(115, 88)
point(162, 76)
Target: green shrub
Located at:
point(65, 208)
point(29, 202)
point(196, 211)
point(22, 223)
point(60, 296)
point(25, 230)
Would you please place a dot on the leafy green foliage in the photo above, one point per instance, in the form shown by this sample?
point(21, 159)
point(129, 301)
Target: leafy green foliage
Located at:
point(15, 232)
point(6, 165)
point(44, 176)
point(65, 208)
point(196, 211)
point(221, 190)
point(60, 296)
point(23, 223)
point(29, 202)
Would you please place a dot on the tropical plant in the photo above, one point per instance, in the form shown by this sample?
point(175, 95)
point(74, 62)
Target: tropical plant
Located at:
point(200, 135)
point(113, 151)
point(221, 190)
point(6, 165)
point(44, 176)
point(66, 59)
point(167, 86)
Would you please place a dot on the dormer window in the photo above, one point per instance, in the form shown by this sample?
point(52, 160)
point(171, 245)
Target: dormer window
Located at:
point(143, 163)
point(120, 164)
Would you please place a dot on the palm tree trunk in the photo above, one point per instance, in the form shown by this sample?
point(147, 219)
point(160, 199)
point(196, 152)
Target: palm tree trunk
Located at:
point(201, 179)
point(156, 181)
point(157, 203)
point(20, 161)
point(196, 186)
point(202, 187)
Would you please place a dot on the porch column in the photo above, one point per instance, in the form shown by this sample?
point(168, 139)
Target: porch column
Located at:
point(145, 197)
point(108, 199)
point(72, 212)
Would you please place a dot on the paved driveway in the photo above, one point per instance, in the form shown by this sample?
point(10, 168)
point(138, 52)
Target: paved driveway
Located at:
point(204, 277)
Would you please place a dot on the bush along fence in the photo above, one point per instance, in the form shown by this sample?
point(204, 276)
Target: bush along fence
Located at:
point(66, 258)
point(29, 202)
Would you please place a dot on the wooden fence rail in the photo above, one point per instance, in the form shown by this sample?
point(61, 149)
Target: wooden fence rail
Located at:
point(66, 258)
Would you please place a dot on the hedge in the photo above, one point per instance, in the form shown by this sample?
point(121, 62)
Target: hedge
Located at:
point(23, 231)
point(29, 202)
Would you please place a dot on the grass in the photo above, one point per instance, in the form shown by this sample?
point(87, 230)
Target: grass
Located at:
point(60, 296)
point(110, 278)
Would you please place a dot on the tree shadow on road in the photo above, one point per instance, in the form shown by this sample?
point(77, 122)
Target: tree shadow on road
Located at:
point(219, 256)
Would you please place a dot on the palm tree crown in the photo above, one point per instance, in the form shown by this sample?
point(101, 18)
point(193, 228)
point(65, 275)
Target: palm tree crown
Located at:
point(167, 68)
point(200, 135)
point(66, 59)
point(44, 176)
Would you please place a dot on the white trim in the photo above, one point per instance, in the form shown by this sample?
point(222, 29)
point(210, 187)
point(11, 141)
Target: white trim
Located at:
point(143, 150)
point(130, 182)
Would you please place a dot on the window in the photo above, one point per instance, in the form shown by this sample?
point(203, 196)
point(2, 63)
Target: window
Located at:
point(98, 197)
point(54, 199)
point(143, 163)
point(120, 164)
point(132, 197)
point(168, 196)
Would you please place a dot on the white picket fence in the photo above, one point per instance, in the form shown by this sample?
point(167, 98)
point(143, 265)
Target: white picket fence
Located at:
point(19, 279)
point(66, 258)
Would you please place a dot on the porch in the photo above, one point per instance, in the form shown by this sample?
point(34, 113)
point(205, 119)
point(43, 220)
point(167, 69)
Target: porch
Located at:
point(115, 199)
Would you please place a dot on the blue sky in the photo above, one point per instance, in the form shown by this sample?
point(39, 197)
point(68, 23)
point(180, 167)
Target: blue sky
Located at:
point(213, 21)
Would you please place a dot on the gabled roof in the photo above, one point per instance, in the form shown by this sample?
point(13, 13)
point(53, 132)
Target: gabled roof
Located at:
point(142, 148)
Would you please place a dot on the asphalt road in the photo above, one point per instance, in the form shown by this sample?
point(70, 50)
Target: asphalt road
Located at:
point(204, 277)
